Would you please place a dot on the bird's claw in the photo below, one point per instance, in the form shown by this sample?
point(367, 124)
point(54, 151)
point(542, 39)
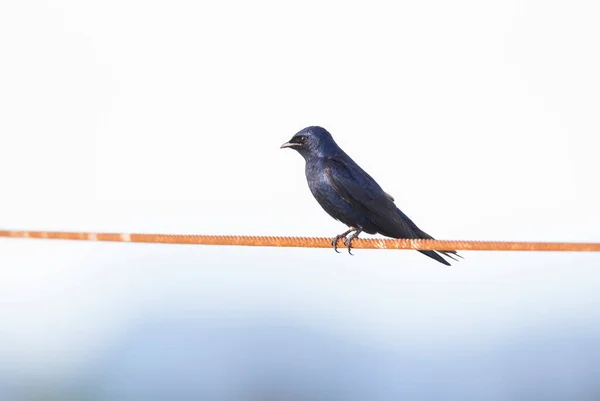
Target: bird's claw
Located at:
point(338, 237)
point(348, 243)
point(334, 242)
point(348, 240)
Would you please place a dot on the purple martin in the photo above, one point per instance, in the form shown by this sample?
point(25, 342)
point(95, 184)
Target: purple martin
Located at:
point(350, 195)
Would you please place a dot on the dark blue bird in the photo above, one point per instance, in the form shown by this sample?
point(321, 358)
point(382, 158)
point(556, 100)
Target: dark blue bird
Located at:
point(350, 195)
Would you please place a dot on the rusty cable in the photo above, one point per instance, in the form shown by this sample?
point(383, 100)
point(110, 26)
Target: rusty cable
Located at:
point(308, 242)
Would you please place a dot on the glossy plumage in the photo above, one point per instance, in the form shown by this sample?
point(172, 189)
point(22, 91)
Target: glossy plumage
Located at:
point(348, 194)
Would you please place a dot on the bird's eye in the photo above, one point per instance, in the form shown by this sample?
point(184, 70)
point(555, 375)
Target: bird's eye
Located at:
point(301, 139)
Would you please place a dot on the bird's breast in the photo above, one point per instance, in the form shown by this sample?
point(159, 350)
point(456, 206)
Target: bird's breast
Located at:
point(325, 194)
point(317, 181)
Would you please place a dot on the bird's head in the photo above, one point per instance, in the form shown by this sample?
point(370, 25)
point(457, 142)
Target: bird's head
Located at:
point(312, 141)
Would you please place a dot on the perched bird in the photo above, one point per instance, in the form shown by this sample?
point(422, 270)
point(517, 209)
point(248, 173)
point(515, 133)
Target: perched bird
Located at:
point(350, 195)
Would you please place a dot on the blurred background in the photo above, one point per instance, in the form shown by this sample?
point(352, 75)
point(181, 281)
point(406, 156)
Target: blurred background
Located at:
point(480, 118)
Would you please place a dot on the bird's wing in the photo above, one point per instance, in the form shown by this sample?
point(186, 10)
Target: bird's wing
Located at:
point(361, 191)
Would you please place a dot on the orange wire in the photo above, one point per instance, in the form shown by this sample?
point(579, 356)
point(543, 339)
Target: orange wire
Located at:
point(304, 242)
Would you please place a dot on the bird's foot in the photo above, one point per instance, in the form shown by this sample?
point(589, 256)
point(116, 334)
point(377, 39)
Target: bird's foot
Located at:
point(348, 240)
point(338, 237)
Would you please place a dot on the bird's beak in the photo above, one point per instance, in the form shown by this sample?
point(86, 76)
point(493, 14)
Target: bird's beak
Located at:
point(289, 145)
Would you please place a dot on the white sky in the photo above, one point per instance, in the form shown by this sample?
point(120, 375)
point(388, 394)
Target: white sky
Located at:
point(480, 118)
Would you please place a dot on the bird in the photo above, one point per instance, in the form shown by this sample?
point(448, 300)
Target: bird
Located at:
point(350, 195)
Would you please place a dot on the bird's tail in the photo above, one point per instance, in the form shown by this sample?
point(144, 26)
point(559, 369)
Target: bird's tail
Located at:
point(410, 230)
point(435, 254)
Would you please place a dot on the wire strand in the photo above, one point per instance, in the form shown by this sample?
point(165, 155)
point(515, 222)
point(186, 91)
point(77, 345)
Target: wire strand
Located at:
point(308, 242)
